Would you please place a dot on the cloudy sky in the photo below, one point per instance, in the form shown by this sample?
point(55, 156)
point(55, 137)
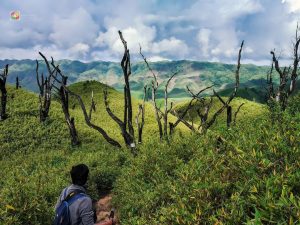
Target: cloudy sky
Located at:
point(203, 30)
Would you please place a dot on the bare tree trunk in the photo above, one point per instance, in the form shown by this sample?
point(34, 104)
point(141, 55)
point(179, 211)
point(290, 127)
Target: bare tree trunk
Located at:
point(3, 78)
point(232, 96)
point(45, 87)
point(229, 116)
point(85, 114)
point(17, 83)
point(180, 118)
point(126, 67)
point(159, 115)
point(205, 123)
point(64, 97)
point(93, 106)
point(167, 110)
point(126, 126)
point(285, 75)
point(141, 112)
point(237, 111)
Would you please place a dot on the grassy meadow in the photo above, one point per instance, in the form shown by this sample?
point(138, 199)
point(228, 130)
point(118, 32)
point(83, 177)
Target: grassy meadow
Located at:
point(250, 178)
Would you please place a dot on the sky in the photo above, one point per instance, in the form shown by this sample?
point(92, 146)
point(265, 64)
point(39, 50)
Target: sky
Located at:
point(201, 30)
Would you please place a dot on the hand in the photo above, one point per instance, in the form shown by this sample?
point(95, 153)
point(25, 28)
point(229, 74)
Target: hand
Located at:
point(112, 215)
point(113, 221)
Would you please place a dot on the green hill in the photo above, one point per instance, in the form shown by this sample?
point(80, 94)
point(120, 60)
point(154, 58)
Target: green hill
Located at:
point(195, 74)
point(253, 90)
point(251, 178)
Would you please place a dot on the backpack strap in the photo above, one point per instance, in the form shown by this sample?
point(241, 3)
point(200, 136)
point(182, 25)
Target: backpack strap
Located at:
point(73, 196)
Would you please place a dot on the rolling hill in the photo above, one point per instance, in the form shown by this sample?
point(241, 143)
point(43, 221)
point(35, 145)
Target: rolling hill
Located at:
point(195, 74)
point(251, 178)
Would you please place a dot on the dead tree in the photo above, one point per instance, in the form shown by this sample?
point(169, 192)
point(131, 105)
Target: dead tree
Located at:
point(93, 106)
point(141, 113)
point(45, 87)
point(180, 118)
point(17, 83)
point(64, 98)
point(226, 104)
point(3, 78)
point(85, 114)
point(204, 109)
point(287, 74)
point(126, 125)
point(236, 112)
point(167, 109)
point(160, 115)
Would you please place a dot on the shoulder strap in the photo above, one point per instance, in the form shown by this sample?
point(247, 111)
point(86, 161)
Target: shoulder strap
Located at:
point(73, 196)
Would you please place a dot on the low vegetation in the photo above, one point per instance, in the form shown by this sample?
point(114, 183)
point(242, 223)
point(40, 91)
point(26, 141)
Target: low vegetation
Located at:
point(251, 177)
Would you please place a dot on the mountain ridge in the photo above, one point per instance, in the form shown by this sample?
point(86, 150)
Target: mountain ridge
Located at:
point(195, 74)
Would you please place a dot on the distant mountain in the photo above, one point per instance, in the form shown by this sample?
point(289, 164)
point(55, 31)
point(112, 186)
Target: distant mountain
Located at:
point(253, 90)
point(194, 74)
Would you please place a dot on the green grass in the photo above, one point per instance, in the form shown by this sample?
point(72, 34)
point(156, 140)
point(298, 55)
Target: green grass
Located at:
point(251, 178)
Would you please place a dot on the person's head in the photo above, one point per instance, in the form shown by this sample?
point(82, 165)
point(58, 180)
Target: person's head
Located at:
point(79, 174)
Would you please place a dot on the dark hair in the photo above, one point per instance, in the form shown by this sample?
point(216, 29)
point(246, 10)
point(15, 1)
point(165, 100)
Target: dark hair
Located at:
point(79, 174)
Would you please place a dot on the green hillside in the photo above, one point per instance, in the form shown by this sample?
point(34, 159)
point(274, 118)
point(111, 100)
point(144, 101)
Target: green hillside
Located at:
point(251, 178)
point(192, 73)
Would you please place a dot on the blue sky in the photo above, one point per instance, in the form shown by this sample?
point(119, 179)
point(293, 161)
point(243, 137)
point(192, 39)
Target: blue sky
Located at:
point(203, 30)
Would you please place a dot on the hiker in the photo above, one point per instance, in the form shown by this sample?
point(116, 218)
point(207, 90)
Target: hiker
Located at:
point(74, 206)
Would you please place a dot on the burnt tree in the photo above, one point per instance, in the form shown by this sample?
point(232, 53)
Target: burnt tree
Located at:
point(140, 118)
point(236, 112)
point(181, 116)
point(167, 109)
point(17, 83)
point(64, 99)
point(93, 106)
point(286, 75)
point(45, 85)
point(85, 114)
point(3, 78)
point(160, 116)
point(226, 104)
point(126, 125)
point(204, 109)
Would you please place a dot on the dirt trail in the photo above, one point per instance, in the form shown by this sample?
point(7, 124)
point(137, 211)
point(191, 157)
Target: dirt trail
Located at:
point(103, 208)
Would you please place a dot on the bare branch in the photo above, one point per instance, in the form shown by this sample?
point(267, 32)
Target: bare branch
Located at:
point(149, 68)
point(93, 106)
point(237, 75)
point(85, 114)
point(199, 92)
point(141, 112)
point(219, 97)
point(237, 111)
point(126, 67)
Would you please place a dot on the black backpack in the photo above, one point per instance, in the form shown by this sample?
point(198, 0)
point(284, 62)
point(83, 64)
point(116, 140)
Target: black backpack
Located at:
point(62, 213)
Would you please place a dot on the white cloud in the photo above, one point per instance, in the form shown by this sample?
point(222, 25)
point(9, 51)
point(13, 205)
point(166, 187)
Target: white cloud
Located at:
point(133, 35)
point(221, 12)
point(75, 28)
point(294, 5)
point(32, 53)
point(172, 46)
point(157, 59)
point(192, 29)
point(79, 50)
point(203, 38)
